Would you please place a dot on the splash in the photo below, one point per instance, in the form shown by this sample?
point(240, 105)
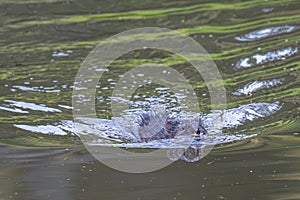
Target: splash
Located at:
point(122, 131)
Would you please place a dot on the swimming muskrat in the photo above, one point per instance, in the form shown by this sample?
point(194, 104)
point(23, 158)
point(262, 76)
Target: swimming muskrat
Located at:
point(169, 127)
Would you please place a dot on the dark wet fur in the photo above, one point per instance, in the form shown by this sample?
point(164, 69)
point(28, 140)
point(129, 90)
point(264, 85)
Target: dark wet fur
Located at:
point(169, 130)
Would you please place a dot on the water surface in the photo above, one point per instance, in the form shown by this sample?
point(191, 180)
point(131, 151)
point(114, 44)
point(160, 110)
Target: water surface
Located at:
point(255, 45)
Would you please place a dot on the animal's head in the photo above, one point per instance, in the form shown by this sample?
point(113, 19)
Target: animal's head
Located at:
point(171, 125)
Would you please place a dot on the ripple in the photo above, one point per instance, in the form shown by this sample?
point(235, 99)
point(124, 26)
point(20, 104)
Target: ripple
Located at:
point(254, 86)
point(65, 106)
point(16, 110)
point(259, 59)
point(44, 129)
point(35, 89)
point(265, 32)
point(61, 54)
point(266, 10)
point(237, 116)
point(30, 106)
point(123, 131)
point(162, 96)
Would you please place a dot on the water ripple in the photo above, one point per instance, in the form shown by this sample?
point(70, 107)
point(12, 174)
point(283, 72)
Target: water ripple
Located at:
point(123, 131)
point(259, 59)
point(30, 106)
point(61, 54)
point(44, 129)
point(265, 32)
point(16, 110)
point(238, 116)
point(254, 86)
point(35, 89)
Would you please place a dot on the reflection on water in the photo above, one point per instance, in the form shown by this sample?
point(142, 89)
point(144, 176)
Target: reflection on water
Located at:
point(35, 89)
point(256, 47)
point(254, 86)
point(227, 173)
point(259, 59)
point(47, 129)
point(265, 32)
point(61, 54)
point(29, 106)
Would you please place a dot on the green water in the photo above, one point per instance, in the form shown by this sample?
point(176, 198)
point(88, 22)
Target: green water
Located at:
point(255, 45)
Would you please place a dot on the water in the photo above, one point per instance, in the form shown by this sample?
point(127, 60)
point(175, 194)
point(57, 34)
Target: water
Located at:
point(255, 45)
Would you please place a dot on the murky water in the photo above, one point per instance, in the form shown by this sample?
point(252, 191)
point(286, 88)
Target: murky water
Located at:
point(255, 45)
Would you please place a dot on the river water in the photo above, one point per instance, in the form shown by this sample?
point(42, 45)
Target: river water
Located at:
point(255, 45)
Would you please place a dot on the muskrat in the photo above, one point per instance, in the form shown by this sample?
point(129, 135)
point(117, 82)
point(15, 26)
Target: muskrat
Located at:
point(170, 127)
